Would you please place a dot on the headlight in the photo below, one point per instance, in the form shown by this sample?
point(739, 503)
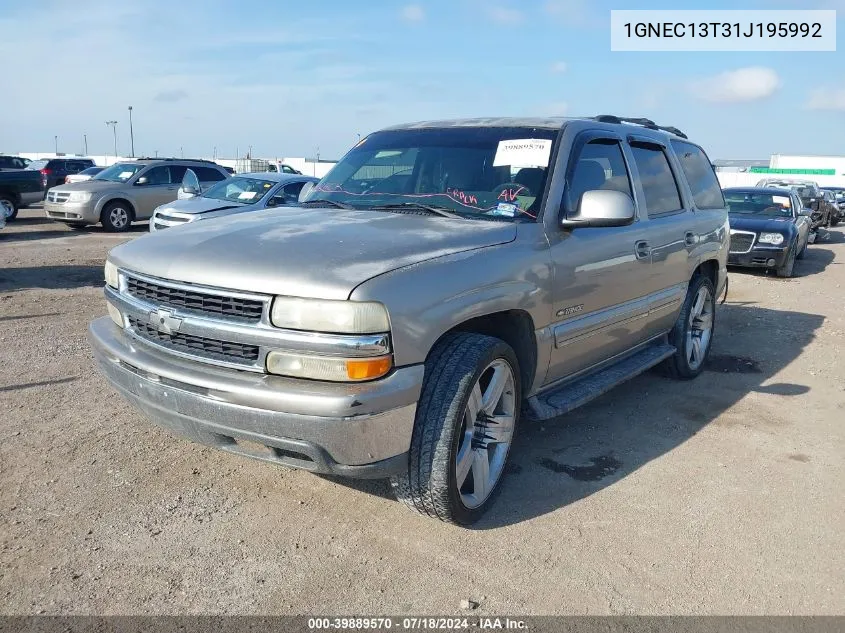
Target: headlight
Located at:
point(80, 196)
point(329, 369)
point(111, 275)
point(338, 317)
point(771, 238)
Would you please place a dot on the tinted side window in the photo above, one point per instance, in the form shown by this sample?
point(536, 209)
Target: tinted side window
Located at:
point(158, 176)
point(207, 174)
point(700, 175)
point(293, 189)
point(659, 186)
point(600, 165)
point(177, 173)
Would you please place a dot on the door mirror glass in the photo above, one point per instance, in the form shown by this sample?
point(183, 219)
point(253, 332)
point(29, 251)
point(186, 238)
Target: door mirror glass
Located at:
point(143, 180)
point(805, 212)
point(190, 184)
point(307, 188)
point(602, 207)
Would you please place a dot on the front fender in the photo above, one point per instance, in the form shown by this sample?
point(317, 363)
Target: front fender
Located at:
point(108, 197)
point(427, 300)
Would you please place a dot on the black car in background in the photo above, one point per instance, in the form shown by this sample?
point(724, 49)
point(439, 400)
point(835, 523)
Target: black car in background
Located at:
point(13, 162)
point(770, 228)
point(835, 196)
point(55, 170)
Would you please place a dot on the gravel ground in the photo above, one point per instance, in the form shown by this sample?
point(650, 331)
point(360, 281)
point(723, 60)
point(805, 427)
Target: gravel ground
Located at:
point(719, 496)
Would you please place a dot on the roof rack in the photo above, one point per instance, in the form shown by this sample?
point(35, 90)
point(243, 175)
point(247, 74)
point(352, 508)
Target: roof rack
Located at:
point(165, 158)
point(609, 118)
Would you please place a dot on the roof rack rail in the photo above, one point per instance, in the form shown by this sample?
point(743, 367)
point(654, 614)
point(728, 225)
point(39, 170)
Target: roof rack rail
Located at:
point(648, 123)
point(165, 158)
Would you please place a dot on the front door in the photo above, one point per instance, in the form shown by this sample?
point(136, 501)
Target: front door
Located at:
point(158, 190)
point(602, 275)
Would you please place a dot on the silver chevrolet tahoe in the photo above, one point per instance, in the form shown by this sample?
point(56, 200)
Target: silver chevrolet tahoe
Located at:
point(443, 281)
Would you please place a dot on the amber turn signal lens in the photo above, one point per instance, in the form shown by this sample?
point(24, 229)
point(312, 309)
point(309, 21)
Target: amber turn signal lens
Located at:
point(368, 368)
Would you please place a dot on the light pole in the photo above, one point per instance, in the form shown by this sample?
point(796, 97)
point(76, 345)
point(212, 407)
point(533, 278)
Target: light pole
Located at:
point(56, 141)
point(113, 125)
point(131, 134)
point(85, 143)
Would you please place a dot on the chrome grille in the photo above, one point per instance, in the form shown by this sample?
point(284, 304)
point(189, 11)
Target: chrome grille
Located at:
point(165, 220)
point(58, 197)
point(249, 310)
point(197, 345)
point(742, 241)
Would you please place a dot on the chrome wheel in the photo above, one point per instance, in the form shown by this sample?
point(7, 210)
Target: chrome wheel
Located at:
point(700, 328)
point(118, 217)
point(7, 207)
point(486, 433)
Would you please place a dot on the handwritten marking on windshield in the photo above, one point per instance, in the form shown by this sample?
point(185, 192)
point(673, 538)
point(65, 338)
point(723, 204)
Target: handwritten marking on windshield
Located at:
point(509, 195)
point(462, 197)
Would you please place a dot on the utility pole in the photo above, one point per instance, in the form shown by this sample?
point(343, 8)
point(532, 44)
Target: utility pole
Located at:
point(131, 133)
point(56, 141)
point(85, 143)
point(113, 125)
point(182, 151)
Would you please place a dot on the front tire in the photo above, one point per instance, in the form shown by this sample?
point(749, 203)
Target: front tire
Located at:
point(465, 423)
point(788, 266)
point(116, 217)
point(692, 335)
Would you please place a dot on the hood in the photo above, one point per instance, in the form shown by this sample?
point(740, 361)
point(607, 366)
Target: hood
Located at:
point(198, 205)
point(757, 224)
point(92, 186)
point(320, 253)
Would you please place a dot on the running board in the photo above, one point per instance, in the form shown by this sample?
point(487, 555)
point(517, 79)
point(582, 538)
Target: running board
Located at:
point(565, 398)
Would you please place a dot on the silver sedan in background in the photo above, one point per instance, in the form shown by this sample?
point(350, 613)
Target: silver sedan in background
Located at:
point(241, 193)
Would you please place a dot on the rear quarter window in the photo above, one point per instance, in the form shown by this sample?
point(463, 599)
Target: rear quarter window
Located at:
point(698, 170)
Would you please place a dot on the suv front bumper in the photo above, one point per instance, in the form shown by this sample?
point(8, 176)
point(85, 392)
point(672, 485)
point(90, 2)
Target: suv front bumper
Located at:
point(84, 212)
point(360, 430)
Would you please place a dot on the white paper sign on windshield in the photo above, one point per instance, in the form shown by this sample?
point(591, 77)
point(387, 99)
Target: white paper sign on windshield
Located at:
point(246, 195)
point(125, 174)
point(524, 152)
point(781, 200)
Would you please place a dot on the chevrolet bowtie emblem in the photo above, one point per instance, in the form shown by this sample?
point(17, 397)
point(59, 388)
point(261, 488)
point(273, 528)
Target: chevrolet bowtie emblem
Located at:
point(165, 322)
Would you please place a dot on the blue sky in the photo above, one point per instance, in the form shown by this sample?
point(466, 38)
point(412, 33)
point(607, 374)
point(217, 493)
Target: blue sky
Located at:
point(290, 77)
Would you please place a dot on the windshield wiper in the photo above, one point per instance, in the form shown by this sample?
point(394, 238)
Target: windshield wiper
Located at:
point(400, 206)
point(326, 203)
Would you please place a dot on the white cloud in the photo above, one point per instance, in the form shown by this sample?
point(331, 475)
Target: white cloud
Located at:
point(574, 12)
point(505, 16)
point(827, 99)
point(413, 13)
point(559, 67)
point(737, 86)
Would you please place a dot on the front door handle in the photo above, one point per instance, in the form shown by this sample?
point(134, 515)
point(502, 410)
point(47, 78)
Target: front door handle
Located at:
point(642, 249)
point(690, 238)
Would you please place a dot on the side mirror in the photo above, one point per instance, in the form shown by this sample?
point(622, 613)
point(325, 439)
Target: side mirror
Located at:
point(805, 212)
point(190, 192)
point(275, 201)
point(307, 188)
point(602, 207)
point(143, 180)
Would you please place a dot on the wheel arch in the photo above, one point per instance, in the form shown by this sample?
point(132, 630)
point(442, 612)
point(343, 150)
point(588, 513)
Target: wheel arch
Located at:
point(514, 327)
point(107, 201)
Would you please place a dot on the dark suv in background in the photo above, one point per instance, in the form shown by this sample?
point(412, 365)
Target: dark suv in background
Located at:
point(13, 162)
point(54, 170)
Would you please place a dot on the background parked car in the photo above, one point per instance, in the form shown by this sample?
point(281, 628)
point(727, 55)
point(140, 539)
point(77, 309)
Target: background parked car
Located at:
point(18, 188)
point(239, 194)
point(125, 192)
point(832, 200)
point(85, 174)
point(811, 197)
point(13, 162)
point(55, 170)
point(770, 228)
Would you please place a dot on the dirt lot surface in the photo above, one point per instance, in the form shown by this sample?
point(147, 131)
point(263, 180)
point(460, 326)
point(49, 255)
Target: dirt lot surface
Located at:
point(722, 495)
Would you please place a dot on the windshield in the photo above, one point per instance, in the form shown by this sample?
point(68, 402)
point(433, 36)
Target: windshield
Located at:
point(119, 172)
point(37, 164)
point(472, 171)
point(759, 204)
point(240, 190)
point(91, 171)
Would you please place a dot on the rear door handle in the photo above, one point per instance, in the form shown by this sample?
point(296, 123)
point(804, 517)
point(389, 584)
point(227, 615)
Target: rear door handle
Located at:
point(642, 249)
point(690, 238)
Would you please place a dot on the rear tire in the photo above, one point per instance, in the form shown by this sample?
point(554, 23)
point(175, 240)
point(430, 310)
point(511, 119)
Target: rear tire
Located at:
point(117, 217)
point(692, 335)
point(9, 206)
point(466, 419)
